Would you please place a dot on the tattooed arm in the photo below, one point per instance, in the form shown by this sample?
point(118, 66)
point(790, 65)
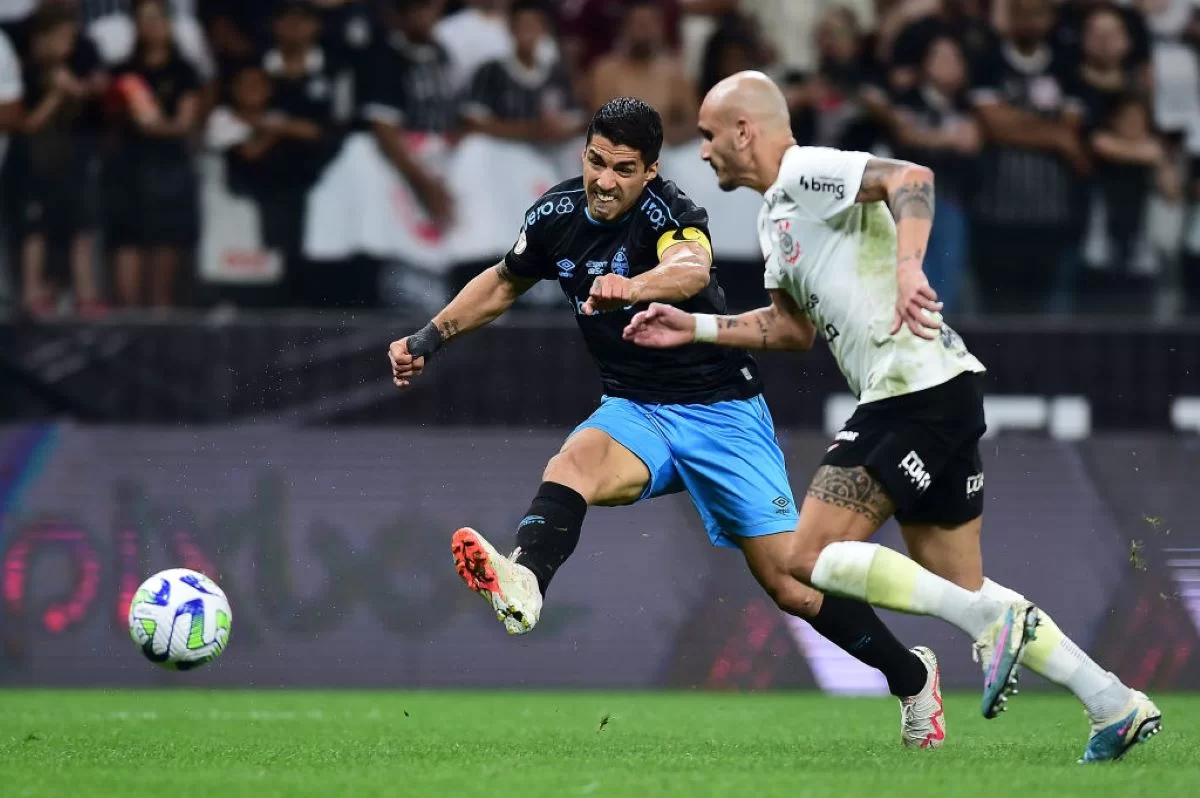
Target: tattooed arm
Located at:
point(481, 301)
point(907, 188)
point(781, 325)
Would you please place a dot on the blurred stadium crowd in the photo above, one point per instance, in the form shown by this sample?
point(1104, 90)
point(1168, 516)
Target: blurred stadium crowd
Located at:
point(1064, 135)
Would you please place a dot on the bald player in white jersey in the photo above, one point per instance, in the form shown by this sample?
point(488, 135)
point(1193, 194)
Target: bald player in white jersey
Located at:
point(844, 236)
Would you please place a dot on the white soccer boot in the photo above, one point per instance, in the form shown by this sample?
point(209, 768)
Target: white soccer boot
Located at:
point(510, 588)
point(922, 716)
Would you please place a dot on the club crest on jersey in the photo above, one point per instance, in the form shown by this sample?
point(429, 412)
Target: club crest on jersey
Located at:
point(789, 247)
point(620, 263)
point(565, 268)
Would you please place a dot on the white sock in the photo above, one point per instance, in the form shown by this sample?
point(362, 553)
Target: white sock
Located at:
point(885, 578)
point(1056, 657)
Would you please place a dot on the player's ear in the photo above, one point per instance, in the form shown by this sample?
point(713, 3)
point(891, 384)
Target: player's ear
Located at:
point(742, 134)
point(651, 172)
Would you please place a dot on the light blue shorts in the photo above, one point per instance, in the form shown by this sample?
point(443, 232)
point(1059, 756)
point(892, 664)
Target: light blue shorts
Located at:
point(725, 455)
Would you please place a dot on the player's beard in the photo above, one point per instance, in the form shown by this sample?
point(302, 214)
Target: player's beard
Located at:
point(605, 210)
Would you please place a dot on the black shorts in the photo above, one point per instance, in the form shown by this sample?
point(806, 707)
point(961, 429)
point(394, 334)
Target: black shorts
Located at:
point(923, 448)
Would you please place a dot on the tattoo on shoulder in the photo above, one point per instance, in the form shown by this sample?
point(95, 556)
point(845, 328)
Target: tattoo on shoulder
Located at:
point(874, 180)
point(853, 489)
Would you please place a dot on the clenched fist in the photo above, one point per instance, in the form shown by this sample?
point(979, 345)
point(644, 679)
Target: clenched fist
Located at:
point(404, 366)
point(610, 292)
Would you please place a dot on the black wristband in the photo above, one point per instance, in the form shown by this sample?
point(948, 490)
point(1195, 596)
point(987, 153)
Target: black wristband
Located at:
point(425, 341)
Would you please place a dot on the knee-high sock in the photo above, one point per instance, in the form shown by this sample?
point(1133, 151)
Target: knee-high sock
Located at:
point(885, 578)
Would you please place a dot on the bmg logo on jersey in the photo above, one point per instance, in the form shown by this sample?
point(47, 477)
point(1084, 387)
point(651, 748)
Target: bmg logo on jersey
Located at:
point(914, 467)
point(974, 484)
point(824, 185)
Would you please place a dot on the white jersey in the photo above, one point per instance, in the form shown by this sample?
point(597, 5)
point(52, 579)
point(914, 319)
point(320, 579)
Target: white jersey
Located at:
point(837, 259)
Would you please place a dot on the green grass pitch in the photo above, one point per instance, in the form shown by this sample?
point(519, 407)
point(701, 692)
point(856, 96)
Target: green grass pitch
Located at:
point(95, 744)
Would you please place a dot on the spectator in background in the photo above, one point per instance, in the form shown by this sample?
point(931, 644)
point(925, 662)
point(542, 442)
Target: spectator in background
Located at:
point(410, 89)
point(641, 65)
point(151, 182)
point(238, 30)
point(934, 126)
point(1069, 35)
point(1130, 162)
point(474, 35)
point(593, 28)
point(63, 81)
point(12, 90)
point(1026, 206)
point(960, 20)
point(519, 97)
point(842, 105)
point(735, 45)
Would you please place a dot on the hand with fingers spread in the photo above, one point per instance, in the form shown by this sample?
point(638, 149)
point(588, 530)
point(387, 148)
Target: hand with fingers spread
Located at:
point(661, 327)
point(916, 303)
point(610, 292)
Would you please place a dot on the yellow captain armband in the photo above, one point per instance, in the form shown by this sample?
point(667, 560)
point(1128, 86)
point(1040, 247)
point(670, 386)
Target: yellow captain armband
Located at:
point(682, 235)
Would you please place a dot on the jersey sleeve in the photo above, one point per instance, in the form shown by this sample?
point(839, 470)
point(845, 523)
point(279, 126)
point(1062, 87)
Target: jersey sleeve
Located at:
point(528, 257)
point(675, 219)
point(822, 181)
point(772, 275)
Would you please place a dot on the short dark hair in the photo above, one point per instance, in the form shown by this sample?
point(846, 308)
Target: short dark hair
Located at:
point(629, 122)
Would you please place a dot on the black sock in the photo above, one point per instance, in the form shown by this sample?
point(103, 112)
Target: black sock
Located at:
point(550, 530)
point(855, 628)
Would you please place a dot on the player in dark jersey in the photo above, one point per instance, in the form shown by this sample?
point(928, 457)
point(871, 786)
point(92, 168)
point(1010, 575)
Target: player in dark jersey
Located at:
point(691, 419)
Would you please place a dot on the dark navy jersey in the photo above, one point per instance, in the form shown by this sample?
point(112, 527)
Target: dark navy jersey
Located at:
point(560, 241)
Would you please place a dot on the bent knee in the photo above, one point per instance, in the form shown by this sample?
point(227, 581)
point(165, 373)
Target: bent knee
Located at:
point(793, 597)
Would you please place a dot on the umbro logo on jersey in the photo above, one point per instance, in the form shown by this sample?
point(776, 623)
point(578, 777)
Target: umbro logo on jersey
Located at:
point(824, 185)
point(565, 268)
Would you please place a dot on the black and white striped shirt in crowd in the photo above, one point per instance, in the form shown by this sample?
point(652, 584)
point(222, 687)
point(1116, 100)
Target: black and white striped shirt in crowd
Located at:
point(1022, 187)
point(511, 91)
point(410, 86)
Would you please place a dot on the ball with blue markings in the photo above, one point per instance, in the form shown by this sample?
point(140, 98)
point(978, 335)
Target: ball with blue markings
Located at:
point(180, 619)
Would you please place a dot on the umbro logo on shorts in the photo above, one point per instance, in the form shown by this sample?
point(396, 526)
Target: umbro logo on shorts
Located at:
point(780, 501)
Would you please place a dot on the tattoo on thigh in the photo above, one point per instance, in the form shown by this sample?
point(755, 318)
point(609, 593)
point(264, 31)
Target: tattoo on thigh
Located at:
point(853, 489)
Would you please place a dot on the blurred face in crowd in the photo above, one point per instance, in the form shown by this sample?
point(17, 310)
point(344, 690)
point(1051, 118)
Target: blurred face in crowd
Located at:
point(613, 178)
point(296, 29)
point(1105, 40)
point(153, 27)
point(417, 20)
point(54, 44)
point(528, 28)
point(643, 31)
point(252, 90)
point(837, 40)
point(1030, 22)
point(945, 66)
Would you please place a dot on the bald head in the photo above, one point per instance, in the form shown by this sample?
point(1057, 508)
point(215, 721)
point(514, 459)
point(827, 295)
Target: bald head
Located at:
point(751, 96)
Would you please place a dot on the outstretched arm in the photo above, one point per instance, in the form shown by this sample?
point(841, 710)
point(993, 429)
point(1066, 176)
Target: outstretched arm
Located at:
point(781, 325)
point(481, 301)
point(907, 188)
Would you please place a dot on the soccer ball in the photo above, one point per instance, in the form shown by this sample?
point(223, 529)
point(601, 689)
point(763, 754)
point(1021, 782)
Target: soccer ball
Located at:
point(180, 619)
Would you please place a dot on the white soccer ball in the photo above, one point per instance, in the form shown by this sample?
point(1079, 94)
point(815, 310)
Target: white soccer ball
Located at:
point(180, 619)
